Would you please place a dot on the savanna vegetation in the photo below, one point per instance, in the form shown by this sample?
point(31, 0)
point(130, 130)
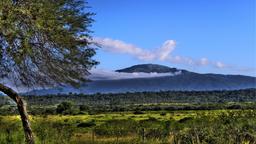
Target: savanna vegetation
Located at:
point(45, 43)
point(162, 127)
point(140, 101)
point(224, 117)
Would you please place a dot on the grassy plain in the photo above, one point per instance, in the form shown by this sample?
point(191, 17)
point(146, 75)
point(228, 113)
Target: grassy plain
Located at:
point(150, 127)
point(166, 117)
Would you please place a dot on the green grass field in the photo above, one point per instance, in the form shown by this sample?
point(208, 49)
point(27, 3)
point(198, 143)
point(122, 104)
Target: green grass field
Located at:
point(153, 127)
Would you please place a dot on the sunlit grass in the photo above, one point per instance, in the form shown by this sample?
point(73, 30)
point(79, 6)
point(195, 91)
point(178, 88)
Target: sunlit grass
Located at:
point(126, 127)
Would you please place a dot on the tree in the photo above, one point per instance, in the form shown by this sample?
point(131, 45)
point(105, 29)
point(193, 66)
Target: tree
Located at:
point(43, 43)
point(65, 107)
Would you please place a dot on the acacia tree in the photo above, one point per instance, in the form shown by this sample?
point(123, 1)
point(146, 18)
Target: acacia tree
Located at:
point(43, 43)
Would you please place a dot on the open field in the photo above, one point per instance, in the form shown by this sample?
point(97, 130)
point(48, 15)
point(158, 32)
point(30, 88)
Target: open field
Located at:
point(153, 127)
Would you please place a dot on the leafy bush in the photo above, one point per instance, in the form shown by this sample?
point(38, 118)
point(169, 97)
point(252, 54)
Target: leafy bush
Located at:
point(65, 107)
point(86, 124)
point(138, 112)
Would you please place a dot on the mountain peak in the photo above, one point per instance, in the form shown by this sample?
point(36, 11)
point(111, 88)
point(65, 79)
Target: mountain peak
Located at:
point(149, 68)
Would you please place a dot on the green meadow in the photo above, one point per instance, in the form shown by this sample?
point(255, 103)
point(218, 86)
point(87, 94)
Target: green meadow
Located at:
point(145, 127)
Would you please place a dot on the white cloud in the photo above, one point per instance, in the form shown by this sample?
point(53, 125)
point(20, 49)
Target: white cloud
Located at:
point(219, 64)
point(163, 53)
point(118, 46)
point(166, 49)
point(204, 61)
point(101, 74)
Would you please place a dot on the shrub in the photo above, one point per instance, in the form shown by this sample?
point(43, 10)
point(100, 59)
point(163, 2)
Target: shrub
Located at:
point(183, 120)
point(65, 107)
point(86, 124)
point(138, 112)
point(163, 114)
point(84, 108)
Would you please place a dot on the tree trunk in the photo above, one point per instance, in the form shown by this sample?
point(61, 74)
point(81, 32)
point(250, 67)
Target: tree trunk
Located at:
point(22, 111)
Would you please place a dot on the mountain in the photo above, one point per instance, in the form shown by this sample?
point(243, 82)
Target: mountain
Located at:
point(174, 79)
point(149, 68)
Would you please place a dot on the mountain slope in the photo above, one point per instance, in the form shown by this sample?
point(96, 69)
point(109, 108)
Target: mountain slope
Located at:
point(185, 80)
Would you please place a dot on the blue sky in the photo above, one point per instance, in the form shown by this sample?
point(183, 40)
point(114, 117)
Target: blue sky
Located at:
point(206, 36)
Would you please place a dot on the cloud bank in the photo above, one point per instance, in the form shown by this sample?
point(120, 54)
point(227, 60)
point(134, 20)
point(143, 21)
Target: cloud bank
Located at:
point(163, 53)
point(101, 74)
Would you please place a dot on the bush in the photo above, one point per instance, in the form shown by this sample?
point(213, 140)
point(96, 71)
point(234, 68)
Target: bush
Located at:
point(65, 107)
point(163, 114)
point(84, 108)
point(86, 124)
point(138, 112)
point(183, 120)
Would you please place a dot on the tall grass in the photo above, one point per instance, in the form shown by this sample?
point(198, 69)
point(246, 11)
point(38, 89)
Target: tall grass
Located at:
point(184, 127)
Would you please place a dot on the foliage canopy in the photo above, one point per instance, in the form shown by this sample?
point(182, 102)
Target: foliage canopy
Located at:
point(45, 42)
